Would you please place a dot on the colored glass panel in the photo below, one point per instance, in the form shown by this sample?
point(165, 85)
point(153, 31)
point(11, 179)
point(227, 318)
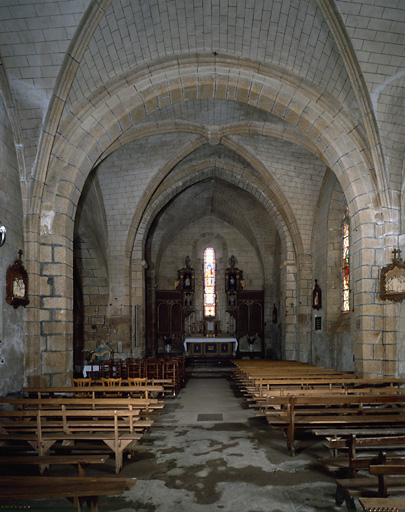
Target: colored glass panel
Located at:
point(346, 262)
point(209, 282)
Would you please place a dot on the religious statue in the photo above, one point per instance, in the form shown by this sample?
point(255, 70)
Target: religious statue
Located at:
point(232, 261)
point(101, 354)
point(232, 299)
point(317, 296)
point(186, 277)
point(18, 288)
point(168, 340)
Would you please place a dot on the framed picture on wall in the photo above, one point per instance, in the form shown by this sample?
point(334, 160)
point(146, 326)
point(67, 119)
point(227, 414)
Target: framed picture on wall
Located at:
point(17, 284)
point(392, 280)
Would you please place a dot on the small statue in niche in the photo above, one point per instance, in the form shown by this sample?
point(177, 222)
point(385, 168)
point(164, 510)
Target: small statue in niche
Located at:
point(186, 276)
point(231, 300)
point(317, 296)
point(232, 282)
point(232, 261)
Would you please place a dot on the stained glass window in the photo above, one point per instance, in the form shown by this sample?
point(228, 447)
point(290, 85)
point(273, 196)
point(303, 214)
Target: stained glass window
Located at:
point(346, 262)
point(209, 282)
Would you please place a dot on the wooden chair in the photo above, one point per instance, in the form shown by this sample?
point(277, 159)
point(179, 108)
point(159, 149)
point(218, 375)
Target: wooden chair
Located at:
point(81, 383)
point(111, 383)
point(136, 368)
point(136, 382)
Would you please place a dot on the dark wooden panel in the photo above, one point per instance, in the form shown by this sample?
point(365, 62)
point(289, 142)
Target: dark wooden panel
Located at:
point(243, 318)
point(163, 317)
point(256, 317)
point(250, 312)
point(169, 313)
point(176, 317)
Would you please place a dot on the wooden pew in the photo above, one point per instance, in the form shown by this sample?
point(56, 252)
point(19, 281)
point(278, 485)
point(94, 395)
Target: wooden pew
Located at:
point(96, 391)
point(385, 480)
point(353, 448)
point(146, 406)
point(43, 462)
point(264, 399)
point(383, 504)
point(76, 489)
point(42, 428)
point(340, 411)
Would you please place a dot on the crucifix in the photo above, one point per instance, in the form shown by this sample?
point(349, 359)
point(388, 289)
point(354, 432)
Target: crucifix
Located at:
point(396, 252)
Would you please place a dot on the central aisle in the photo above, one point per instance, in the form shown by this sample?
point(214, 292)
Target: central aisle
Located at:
point(238, 463)
point(206, 397)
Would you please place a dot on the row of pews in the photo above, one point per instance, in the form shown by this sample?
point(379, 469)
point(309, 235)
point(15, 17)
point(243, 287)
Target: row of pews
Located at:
point(362, 421)
point(73, 425)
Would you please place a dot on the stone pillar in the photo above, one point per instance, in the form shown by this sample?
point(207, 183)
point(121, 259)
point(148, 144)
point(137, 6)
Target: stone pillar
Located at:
point(376, 322)
point(304, 309)
point(150, 313)
point(138, 268)
point(288, 309)
point(56, 316)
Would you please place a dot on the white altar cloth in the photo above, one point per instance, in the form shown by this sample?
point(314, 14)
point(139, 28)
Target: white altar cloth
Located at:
point(216, 339)
point(88, 368)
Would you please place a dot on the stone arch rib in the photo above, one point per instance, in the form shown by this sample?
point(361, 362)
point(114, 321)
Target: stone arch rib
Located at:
point(235, 174)
point(334, 134)
point(339, 33)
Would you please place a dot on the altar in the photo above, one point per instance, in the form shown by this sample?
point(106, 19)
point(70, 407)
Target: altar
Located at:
point(216, 346)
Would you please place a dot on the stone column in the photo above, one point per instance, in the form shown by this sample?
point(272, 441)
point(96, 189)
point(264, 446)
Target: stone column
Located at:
point(138, 267)
point(288, 309)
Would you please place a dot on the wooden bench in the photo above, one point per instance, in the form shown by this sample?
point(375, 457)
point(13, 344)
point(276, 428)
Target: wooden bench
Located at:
point(386, 479)
point(76, 489)
point(383, 504)
point(118, 429)
point(260, 389)
point(347, 411)
point(95, 391)
point(145, 406)
point(353, 448)
point(43, 462)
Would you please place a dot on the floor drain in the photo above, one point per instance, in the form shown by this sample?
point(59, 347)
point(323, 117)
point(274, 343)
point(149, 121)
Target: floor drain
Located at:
point(210, 417)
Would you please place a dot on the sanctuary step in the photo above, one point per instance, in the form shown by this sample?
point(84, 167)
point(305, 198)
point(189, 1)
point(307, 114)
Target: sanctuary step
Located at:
point(208, 366)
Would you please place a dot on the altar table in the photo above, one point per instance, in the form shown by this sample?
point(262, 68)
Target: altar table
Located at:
point(201, 345)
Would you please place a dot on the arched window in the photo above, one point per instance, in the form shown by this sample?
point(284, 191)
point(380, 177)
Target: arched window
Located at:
point(346, 262)
point(209, 282)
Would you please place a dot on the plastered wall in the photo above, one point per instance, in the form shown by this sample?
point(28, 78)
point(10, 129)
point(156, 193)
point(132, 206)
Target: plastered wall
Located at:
point(11, 216)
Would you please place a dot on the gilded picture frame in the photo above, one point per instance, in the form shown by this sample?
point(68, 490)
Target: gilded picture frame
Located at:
point(392, 280)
